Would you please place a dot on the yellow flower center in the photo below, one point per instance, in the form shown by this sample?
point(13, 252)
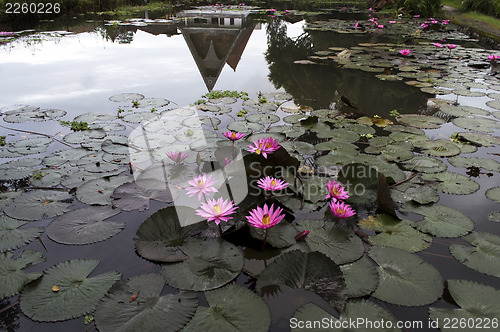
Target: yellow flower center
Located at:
point(233, 134)
point(217, 208)
point(340, 211)
point(269, 145)
point(257, 151)
point(273, 183)
point(265, 219)
point(336, 191)
point(200, 183)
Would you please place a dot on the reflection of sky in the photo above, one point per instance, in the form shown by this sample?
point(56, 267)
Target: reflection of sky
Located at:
point(78, 73)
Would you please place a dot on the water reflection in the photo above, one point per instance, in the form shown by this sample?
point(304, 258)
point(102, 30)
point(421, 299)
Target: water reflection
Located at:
point(323, 86)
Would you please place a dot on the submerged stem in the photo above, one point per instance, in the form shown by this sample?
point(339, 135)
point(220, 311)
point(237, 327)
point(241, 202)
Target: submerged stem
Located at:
point(265, 240)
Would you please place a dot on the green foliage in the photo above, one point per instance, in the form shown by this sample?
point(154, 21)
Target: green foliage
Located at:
point(135, 103)
point(2, 140)
point(38, 175)
point(241, 113)
point(488, 7)
point(75, 125)
point(88, 319)
point(394, 113)
point(200, 102)
point(261, 97)
point(227, 93)
point(426, 8)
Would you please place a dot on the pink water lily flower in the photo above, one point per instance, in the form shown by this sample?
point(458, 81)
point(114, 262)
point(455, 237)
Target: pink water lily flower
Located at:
point(336, 191)
point(405, 52)
point(437, 44)
point(177, 156)
point(341, 210)
point(271, 184)
point(264, 146)
point(445, 22)
point(233, 136)
point(451, 46)
point(265, 217)
point(424, 25)
point(392, 22)
point(380, 26)
point(217, 210)
point(416, 16)
point(201, 185)
point(493, 57)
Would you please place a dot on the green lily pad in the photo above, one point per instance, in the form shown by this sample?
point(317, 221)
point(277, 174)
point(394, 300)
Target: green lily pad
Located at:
point(452, 183)
point(468, 93)
point(79, 137)
point(13, 237)
point(494, 216)
point(363, 182)
point(420, 121)
point(404, 278)
point(77, 294)
point(341, 135)
point(211, 263)
point(245, 126)
point(462, 110)
point(280, 236)
point(494, 104)
point(493, 194)
point(61, 157)
point(484, 256)
point(313, 188)
point(160, 236)
point(396, 234)
point(129, 196)
point(477, 124)
point(12, 276)
point(231, 308)
point(30, 145)
point(338, 243)
point(289, 131)
point(488, 164)
point(313, 272)
point(422, 195)
point(149, 311)
point(398, 151)
point(361, 277)
point(39, 204)
point(477, 302)
point(138, 117)
point(123, 97)
point(337, 147)
point(99, 191)
point(481, 139)
point(439, 148)
point(299, 147)
point(85, 226)
point(153, 102)
point(94, 117)
point(441, 220)
point(263, 118)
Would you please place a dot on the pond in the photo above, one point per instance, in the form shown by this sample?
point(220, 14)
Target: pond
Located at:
point(403, 112)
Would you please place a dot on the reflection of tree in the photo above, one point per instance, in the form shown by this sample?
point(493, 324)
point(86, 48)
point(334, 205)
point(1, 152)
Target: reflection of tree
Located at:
point(9, 318)
point(117, 33)
point(321, 86)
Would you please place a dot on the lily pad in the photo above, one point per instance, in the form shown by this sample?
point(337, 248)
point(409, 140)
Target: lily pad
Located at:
point(148, 311)
point(76, 293)
point(129, 196)
point(313, 272)
point(363, 182)
point(494, 216)
point(439, 148)
point(494, 104)
point(395, 233)
point(308, 314)
point(481, 139)
point(361, 277)
point(263, 118)
point(211, 263)
point(299, 147)
point(123, 97)
point(84, 226)
point(420, 121)
point(12, 276)
point(13, 237)
point(338, 147)
point(338, 243)
point(30, 145)
point(462, 110)
point(79, 137)
point(477, 124)
point(99, 191)
point(231, 308)
point(422, 195)
point(452, 183)
point(153, 102)
point(404, 278)
point(245, 127)
point(280, 236)
point(39, 204)
point(488, 164)
point(484, 256)
point(477, 302)
point(441, 220)
point(493, 194)
point(160, 236)
point(289, 131)
point(425, 164)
